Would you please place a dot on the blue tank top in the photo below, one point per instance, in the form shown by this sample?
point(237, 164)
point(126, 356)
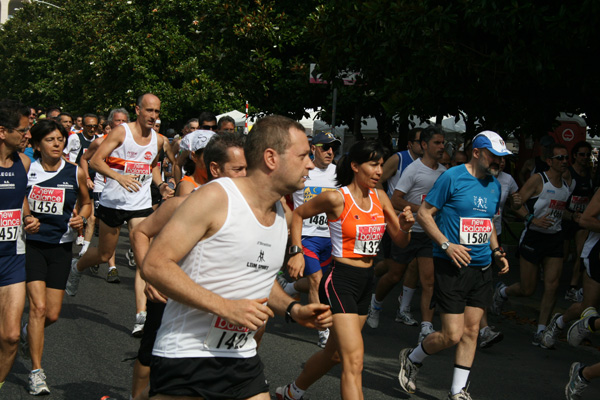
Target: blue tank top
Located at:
point(13, 184)
point(52, 197)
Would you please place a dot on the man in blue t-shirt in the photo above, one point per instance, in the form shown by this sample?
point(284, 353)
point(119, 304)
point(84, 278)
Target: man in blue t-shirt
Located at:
point(463, 200)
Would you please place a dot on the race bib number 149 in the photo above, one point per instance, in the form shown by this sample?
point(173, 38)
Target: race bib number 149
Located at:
point(475, 231)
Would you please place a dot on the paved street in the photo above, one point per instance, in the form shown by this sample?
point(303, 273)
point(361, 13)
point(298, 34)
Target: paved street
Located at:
point(88, 352)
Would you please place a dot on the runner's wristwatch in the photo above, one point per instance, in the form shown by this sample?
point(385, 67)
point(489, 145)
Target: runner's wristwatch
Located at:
point(293, 250)
point(445, 245)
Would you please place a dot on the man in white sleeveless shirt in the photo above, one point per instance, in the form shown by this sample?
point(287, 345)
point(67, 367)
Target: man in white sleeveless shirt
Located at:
point(127, 158)
point(228, 260)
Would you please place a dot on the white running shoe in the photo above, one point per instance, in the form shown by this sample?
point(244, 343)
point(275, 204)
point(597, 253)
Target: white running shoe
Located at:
point(406, 317)
point(138, 327)
point(489, 337)
point(576, 385)
point(462, 395)
point(37, 383)
point(130, 258)
point(323, 337)
point(551, 333)
point(74, 278)
point(408, 372)
point(580, 330)
point(282, 393)
point(425, 331)
point(373, 317)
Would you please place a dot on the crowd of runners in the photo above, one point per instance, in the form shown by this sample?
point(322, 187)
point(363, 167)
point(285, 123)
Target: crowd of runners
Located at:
point(286, 217)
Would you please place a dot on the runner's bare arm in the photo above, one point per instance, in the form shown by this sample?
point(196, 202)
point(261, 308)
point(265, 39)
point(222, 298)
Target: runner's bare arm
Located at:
point(498, 256)
point(533, 187)
point(397, 226)
point(389, 169)
point(313, 315)
point(458, 253)
point(589, 218)
point(175, 241)
point(85, 159)
point(164, 189)
point(331, 203)
point(399, 202)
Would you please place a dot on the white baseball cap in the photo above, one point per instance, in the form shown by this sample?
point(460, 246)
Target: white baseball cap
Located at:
point(491, 141)
point(196, 140)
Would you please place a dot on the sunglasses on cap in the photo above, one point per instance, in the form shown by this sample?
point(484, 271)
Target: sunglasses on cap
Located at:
point(327, 146)
point(209, 127)
point(562, 157)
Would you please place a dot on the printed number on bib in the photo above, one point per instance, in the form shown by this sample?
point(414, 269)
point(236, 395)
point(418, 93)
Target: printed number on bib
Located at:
point(142, 170)
point(318, 220)
point(10, 221)
point(556, 209)
point(226, 336)
point(579, 203)
point(46, 200)
point(368, 238)
point(475, 231)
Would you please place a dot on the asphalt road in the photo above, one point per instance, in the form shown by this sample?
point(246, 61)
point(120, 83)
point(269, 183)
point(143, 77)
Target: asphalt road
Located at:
point(88, 352)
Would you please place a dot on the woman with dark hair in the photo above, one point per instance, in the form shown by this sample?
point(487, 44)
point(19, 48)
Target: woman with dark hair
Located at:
point(193, 144)
point(54, 186)
point(357, 214)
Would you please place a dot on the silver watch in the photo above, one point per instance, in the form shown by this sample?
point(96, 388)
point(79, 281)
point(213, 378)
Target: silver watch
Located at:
point(445, 245)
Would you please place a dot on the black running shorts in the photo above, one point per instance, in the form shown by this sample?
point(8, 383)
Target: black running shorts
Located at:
point(115, 218)
point(347, 289)
point(535, 246)
point(211, 378)
point(456, 288)
point(48, 262)
point(154, 314)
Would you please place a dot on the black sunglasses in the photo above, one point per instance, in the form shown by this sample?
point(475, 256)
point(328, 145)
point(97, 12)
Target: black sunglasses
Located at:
point(560, 158)
point(91, 126)
point(209, 127)
point(327, 146)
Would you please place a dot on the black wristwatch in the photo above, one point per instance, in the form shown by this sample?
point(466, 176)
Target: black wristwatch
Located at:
point(498, 249)
point(292, 250)
point(288, 312)
point(84, 219)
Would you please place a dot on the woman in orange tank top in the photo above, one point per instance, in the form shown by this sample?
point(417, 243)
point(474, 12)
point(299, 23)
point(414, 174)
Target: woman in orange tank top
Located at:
point(358, 214)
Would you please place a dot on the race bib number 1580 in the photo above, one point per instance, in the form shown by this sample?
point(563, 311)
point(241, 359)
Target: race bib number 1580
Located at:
point(475, 231)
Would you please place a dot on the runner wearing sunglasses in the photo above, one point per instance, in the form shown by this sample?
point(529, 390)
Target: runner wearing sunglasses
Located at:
point(545, 195)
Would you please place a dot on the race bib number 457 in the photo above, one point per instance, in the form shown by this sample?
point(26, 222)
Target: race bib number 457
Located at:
point(226, 336)
point(46, 200)
point(10, 220)
point(368, 238)
point(475, 231)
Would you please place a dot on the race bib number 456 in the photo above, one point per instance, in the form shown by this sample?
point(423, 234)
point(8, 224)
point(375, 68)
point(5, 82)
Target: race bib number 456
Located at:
point(475, 231)
point(10, 220)
point(226, 336)
point(368, 238)
point(46, 200)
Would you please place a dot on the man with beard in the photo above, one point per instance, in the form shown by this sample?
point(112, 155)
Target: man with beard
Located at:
point(465, 199)
point(545, 194)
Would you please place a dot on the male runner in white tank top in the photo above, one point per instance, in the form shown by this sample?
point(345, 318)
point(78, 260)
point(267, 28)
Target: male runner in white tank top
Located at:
point(132, 149)
point(226, 273)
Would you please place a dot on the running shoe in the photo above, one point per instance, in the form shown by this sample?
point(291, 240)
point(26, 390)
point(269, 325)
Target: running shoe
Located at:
point(323, 337)
point(406, 317)
point(283, 393)
point(23, 342)
point(138, 327)
point(282, 281)
point(498, 300)
point(571, 295)
point(74, 278)
point(576, 385)
point(408, 372)
point(579, 330)
point(373, 317)
point(551, 333)
point(537, 339)
point(37, 383)
point(113, 276)
point(462, 395)
point(579, 296)
point(425, 331)
point(130, 258)
point(79, 241)
point(489, 337)
point(94, 269)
